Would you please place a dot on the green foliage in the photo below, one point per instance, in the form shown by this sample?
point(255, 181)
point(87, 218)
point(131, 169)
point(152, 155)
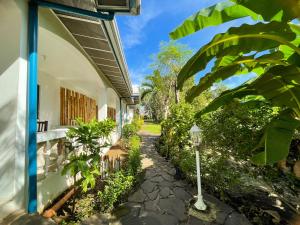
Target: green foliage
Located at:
point(116, 186)
point(152, 128)
point(279, 10)
point(268, 48)
point(137, 122)
point(134, 155)
point(187, 163)
point(235, 129)
point(129, 130)
point(175, 130)
point(238, 40)
point(159, 91)
point(87, 140)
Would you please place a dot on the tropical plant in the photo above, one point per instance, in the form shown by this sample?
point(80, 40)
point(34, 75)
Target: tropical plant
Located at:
point(235, 129)
point(159, 90)
point(175, 130)
point(129, 130)
point(134, 155)
point(137, 122)
point(88, 140)
point(116, 185)
point(268, 48)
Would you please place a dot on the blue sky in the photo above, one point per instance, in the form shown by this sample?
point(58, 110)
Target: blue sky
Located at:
point(141, 35)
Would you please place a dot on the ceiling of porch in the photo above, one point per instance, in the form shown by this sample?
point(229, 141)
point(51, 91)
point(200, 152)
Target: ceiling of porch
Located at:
point(101, 41)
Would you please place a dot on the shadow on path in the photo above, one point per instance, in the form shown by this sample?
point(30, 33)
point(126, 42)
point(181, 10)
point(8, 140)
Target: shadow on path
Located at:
point(162, 200)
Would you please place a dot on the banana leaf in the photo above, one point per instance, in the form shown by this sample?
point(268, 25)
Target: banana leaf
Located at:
point(278, 10)
point(236, 41)
point(277, 139)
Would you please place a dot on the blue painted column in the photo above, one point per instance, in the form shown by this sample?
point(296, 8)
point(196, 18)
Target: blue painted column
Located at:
point(32, 105)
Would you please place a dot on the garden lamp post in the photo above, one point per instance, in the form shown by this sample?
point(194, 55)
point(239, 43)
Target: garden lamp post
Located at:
point(196, 139)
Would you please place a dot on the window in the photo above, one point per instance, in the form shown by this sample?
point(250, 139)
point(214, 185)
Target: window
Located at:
point(111, 113)
point(75, 105)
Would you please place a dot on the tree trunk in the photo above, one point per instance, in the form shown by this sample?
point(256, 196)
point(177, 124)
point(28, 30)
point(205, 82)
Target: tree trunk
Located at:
point(177, 96)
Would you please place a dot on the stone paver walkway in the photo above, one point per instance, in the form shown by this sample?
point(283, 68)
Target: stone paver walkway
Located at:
point(162, 200)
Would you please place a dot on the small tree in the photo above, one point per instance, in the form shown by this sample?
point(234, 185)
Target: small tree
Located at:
point(88, 140)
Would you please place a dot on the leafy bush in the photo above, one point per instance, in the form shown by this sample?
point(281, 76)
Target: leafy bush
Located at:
point(175, 130)
point(134, 155)
point(87, 140)
point(116, 186)
point(235, 129)
point(187, 164)
point(137, 122)
point(129, 130)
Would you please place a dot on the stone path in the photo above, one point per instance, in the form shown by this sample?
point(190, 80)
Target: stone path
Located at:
point(162, 200)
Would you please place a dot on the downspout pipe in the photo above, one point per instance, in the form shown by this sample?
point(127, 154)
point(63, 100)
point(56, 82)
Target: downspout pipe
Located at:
point(32, 106)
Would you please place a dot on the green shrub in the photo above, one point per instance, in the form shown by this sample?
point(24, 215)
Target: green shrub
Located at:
point(134, 155)
point(235, 129)
point(129, 130)
point(85, 158)
point(175, 130)
point(137, 122)
point(187, 164)
point(117, 185)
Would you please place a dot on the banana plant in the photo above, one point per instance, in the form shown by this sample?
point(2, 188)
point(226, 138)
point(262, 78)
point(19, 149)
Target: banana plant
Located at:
point(268, 48)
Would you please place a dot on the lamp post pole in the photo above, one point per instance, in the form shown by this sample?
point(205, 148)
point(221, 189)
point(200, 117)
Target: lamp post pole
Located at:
point(200, 205)
point(196, 138)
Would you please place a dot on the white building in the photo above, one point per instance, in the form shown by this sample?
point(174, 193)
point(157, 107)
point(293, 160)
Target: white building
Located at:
point(82, 72)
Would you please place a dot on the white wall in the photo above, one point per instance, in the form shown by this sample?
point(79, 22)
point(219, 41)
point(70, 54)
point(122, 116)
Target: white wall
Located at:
point(58, 55)
point(13, 88)
point(49, 99)
point(61, 63)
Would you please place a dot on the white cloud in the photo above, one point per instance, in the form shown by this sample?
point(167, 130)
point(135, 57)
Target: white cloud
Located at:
point(134, 25)
point(138, 74)
point(134, 28)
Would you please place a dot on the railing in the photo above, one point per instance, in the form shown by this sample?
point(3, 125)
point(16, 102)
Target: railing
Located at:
point(53, 149)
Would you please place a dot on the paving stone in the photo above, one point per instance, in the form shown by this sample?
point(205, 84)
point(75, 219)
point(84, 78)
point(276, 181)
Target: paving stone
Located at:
point(157, 179)
point(236, 218)
point(149, 174)
point(166, 184)
point(181, 194)
point(152, 205)
point(96, 219)
point(153, 195)
point(165, 192)
point(150, 218)
point(167, 177)
point(138, 196)
point(195, 221)
point(148, 186)
point(173, 206)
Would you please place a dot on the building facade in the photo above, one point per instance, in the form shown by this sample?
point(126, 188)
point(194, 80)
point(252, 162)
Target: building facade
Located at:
point(82, 72)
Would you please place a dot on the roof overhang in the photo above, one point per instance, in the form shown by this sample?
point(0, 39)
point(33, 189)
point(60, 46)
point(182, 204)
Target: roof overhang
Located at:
point(132, 7)
point(122, 6)
point(101, 42)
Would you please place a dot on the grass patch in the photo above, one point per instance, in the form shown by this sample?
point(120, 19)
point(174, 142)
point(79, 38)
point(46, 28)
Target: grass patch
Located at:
point(152, 128)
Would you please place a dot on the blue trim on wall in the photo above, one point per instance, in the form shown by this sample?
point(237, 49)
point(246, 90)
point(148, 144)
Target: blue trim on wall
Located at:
point(76, 11)
point(32, 105)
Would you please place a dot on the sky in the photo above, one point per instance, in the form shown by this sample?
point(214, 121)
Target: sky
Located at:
point(141, 35)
